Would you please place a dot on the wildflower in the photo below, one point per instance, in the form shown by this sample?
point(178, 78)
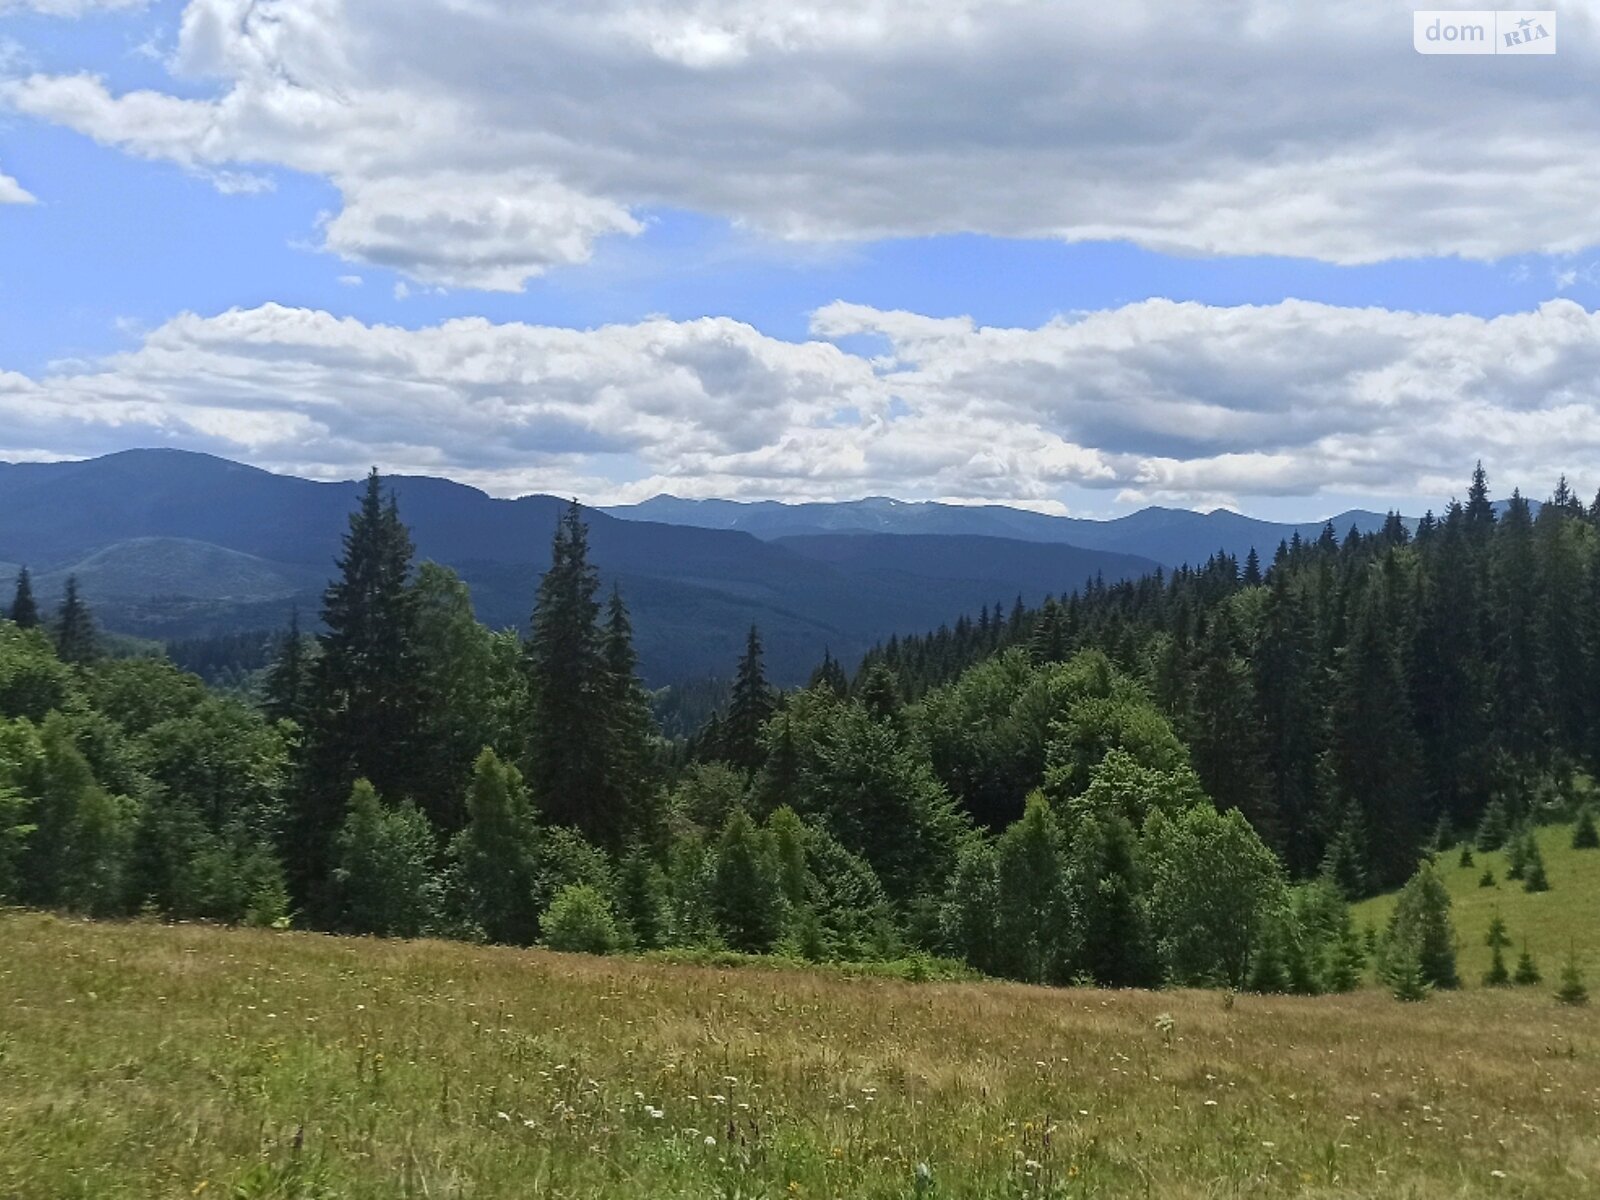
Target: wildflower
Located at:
point(710, 1141)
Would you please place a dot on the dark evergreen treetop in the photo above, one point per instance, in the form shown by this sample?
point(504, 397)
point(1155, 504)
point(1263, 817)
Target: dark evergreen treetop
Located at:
point(75, 635)
point(568, 735)
point(366, 704)
point(24, 609)
point(751, 704)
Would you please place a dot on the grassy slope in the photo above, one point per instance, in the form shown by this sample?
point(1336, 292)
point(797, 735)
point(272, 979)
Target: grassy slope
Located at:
point(1568, 914)
point(142, 1060)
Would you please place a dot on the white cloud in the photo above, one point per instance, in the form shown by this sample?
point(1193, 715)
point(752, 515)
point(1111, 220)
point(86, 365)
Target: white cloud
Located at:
point(480, 142)
point(1155, 401)
point(12, 192)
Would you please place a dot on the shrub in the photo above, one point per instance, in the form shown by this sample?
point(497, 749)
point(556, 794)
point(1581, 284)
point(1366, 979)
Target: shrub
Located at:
point(579, 920)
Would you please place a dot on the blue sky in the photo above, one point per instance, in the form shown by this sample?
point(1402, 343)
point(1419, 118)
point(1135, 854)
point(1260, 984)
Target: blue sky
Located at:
point(132, 225)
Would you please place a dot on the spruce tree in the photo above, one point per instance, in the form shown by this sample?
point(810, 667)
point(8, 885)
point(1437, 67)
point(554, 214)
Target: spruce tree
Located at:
point(627, 765)
point(1348, 960)
point(1534, 878)
point(1487, 878)
point(1527, 972)
point(751, 704)
point(1420, 925)
point(1585, 836)
point(1408, 981)
point(569, 732)
point(24, 609)
point(1376, 754)
point(746, 893)
point(288, 680)
point(75, 635)
point(366, 708)
point(1465, 859)
point(493, 857)
point(830, 677)
point(1497, 940)
point(1345, 863)
point(1572, 990)
point(1494, 830)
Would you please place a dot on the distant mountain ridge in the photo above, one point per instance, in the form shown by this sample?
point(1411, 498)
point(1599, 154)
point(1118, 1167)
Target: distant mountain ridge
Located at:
point(171, 544)
point(1170, 536)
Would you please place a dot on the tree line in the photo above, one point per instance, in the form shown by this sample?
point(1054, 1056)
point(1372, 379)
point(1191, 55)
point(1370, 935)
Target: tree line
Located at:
point(1183, 779)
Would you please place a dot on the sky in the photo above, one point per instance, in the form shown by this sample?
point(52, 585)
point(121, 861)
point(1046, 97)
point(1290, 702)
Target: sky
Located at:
point(1242, 254)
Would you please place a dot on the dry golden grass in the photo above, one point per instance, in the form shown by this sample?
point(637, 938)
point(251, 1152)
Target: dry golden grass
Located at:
point(146, 1060)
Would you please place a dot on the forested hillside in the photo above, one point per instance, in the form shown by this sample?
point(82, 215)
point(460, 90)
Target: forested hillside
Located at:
point(1180, 780)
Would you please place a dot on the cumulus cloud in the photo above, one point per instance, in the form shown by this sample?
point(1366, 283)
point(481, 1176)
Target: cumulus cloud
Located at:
point(12, 192)
point(509, 146)
point(1155, 401)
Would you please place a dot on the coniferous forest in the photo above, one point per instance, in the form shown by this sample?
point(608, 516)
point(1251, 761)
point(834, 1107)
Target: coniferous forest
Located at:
point(1184, 779)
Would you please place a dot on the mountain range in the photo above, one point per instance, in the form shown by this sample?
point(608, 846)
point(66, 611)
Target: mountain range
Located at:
point(170, 544)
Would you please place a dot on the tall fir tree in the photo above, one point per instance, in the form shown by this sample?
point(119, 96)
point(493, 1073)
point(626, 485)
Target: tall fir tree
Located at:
point(75, 635)
point(366, 707)
point(752, 704)
point(288, 683)
point(569, 731)
point(1518, 697)
point(24, 608)
point(1224, 730)
point(1292, 734)
point(1374, 743)
point(628, 766)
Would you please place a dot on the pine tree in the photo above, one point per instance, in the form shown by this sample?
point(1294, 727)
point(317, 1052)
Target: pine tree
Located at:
point(1534, 878)
point(366, 707)
point(1487, 878)
point(1527, 972)
point(1408, 981)
point(1494, 830)
point(1292, 724)
point(830, 677)
point(642, 899)
point(287, 685)
point(627, 763)
point(569, 730)
point(1465, 859)
point(1345, 863)
point(24, 609)
point(1584, 834)
point(1252, 569)
point(749, 708)
point(1031, 900)
point(1497, 940)
point(1517, 853)
point(1518, 697)
point(1376, 754)
point(1348, 960)
point(1572, 990)
point(1224, 731)
point(75, 636)
point(1420, 925)
point(746, 893)
point(493, 857)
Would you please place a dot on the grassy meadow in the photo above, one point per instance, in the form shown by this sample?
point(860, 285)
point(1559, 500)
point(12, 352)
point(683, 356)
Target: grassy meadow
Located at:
point(1566, 916)
point(144, 1060)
